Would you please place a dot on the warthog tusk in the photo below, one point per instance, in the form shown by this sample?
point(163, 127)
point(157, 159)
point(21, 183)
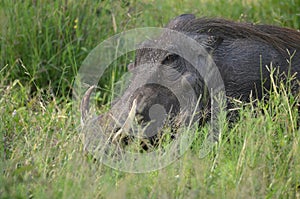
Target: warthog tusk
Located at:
point(85, 103)
point(128, 121)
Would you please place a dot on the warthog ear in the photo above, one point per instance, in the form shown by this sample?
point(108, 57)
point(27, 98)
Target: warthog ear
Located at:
point(180, 21)
point(210, 43)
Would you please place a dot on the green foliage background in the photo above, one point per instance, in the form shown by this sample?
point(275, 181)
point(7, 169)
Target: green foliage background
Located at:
point(42, 45)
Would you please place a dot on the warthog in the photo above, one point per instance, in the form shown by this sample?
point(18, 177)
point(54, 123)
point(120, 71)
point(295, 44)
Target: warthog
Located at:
point(240, 51)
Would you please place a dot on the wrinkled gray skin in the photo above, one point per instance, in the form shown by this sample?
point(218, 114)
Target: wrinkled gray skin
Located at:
point(240, 51)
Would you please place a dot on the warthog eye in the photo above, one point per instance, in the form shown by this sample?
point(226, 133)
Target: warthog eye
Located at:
point(169, 59)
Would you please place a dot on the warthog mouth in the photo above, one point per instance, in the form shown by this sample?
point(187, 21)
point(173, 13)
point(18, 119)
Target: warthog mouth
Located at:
point(135, 125)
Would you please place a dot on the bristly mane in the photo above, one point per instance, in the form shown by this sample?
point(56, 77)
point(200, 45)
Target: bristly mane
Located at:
point(281, 38)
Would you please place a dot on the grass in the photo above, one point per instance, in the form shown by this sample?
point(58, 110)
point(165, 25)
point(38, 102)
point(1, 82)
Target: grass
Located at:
point(43, 43)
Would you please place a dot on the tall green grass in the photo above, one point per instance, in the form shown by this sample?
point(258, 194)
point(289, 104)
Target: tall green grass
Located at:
point(43, 43)
point(42, 156)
